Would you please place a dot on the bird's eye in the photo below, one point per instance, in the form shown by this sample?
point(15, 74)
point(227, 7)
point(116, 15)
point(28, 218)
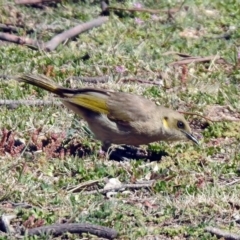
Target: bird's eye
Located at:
point(180, 125)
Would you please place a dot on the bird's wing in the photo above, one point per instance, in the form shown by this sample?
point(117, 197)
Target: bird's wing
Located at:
point(118, 106)
point(125, 108)
point(92, 99)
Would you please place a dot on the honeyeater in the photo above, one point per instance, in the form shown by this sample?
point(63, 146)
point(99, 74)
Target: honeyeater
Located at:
point(118, 117)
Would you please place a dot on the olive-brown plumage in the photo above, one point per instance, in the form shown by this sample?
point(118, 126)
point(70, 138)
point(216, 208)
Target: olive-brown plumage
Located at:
point(117, 117)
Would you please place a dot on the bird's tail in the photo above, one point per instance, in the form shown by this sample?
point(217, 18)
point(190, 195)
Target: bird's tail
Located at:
point(91, 99)
point(42, 82)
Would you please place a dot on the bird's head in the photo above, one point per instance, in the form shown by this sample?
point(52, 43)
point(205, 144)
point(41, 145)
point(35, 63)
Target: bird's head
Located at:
point(176, 127)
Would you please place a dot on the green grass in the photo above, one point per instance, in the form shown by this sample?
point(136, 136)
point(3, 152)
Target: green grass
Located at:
point(195, 186)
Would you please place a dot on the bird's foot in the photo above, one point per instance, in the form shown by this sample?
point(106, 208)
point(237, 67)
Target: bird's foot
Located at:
point(126, 152)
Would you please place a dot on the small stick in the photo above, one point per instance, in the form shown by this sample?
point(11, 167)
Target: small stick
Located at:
point(189, 60)
point(34, 1)
point(59, 229)
point(20, 204)
point(232, 183)
point(140, 81)
point(5, 223)
point(55, 41)
point(199, 115)
point(222, 234)
point(101, 79)
point(19, 40)
point(80, 186)
point(142, 10)
point(15, 103)
point(146, 184)
point(8, 28)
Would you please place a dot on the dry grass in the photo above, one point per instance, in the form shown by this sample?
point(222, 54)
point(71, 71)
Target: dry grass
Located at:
point(196, 186)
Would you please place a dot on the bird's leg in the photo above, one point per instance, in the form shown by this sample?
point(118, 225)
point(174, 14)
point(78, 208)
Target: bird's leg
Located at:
point(124, 152)
point(128, 152)
point(106, 146)
point(113, 152)
point(135, 151)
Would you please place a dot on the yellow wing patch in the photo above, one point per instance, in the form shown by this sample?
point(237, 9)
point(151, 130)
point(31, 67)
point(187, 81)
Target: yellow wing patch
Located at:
point(96, 104)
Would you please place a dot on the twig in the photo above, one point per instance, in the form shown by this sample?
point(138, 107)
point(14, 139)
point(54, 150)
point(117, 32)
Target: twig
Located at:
point(222, 234)
point(189, 60)
point(20, 40)
point(199, 115)
point(153, 11)
point(80, 186)
point(34, 1)
point(104, 7)
point(140, 81)
point(225, 36)
point(232, 183)
point(7, 28)
point(146, 184)
point(101, 79)
point(15, 205)
point(184, 55)
point(5, 223)
point(15, 103)
point(55, 41)
point(59, 229)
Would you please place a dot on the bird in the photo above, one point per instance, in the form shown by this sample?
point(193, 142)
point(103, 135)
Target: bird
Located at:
point(118, 117)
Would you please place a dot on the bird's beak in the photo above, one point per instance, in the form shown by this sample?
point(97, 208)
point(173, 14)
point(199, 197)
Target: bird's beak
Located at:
point(191, 137)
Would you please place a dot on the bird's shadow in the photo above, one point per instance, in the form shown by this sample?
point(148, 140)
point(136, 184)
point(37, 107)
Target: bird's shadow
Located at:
point(129, 152)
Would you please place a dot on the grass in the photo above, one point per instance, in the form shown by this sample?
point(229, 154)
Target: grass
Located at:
point(196, 185)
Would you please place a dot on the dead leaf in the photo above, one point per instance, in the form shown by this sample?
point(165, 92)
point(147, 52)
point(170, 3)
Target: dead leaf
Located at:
point(148, 204)
point(112, 183)
point(191, 33)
